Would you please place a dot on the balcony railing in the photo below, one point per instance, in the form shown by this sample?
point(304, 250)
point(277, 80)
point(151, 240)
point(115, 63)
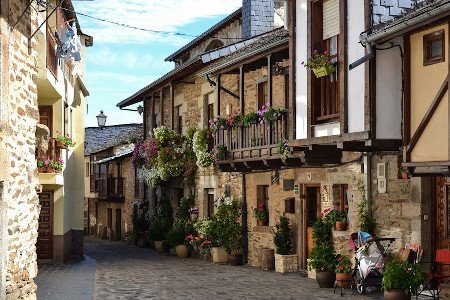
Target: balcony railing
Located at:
point(52, 58)
point(110, 189)
point(253, 141)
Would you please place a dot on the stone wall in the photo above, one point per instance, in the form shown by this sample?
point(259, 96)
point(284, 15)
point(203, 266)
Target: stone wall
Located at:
point(18, 118)
point(257, 17)
point(385, 10)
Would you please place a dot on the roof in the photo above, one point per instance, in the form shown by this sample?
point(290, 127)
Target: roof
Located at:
point(261, 44)
point(179, 72)
point(232, 17)
point(126, 153)
point(99, 139)
point(419, 13)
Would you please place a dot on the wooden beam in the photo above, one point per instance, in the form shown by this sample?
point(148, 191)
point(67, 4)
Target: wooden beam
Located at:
point(406, 97)
point(428, 115)
point(218, 89)
point(152, 114)
point(269, 79)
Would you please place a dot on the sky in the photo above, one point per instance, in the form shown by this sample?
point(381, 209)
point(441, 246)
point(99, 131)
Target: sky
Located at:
point(124, 60)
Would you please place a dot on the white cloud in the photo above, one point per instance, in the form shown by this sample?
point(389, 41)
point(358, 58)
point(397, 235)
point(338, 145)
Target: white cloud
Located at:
point(114, 78)
point(158, 15)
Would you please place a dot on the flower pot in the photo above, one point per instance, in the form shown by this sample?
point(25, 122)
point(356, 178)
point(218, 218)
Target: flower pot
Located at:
point(340, 226)
point(159, 246)
point(396, 295)
point(324, 71)
point(235, 259)
point(219, 255)
point(194, 217)
point(325, 279)
point(182, 251)
point(42, 169)
point(261, 222)
point(344, 280)
point(60, 145)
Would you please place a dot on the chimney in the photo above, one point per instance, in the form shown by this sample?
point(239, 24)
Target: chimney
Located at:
point(257, 17)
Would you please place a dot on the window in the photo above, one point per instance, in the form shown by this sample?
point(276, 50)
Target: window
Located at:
point(178, 119)
point(343, 206)
point(262, 93)
point(208, 104)
point(119, 169)
point(326, 37)
point(209, 202)
point(433, 48)
point(66, 119)
point(262, 197)
point(88, 166)
point(136, 183)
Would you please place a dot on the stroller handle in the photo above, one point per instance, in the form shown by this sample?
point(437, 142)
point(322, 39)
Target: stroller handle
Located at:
point(384, 239)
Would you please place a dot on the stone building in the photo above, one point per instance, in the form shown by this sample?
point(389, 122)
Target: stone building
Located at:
point(24, 62)
point(111, 188)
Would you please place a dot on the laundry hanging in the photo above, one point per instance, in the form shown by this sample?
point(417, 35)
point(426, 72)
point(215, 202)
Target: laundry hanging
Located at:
point(68, 43)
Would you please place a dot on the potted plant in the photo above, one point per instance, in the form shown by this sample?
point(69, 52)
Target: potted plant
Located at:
point(400, 278)
point(343, 271)
point(320, 63)
point(222, 152)
point(218, 123)
point(64, 141)
point(261, 215)
point(176, 237)
point(323, 257)
point(285, 259)
point(338, 219)
point(250, 118)
point(193, 212)
point(403, 172)
point(232, 234)
point(159, 223)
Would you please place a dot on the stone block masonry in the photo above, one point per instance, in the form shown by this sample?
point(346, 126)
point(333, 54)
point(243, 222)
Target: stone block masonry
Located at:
point(19, 203)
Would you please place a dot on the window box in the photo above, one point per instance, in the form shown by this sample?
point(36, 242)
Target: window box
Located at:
point(324, 70)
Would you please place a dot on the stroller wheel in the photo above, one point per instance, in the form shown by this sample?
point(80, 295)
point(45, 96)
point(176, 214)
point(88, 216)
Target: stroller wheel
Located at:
point(360, 286)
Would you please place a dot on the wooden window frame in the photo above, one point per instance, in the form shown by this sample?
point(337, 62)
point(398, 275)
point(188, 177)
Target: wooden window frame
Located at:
point(428, 39)
point(315, 41)
point(178, 116)
point(262, 98)
point(343, 189)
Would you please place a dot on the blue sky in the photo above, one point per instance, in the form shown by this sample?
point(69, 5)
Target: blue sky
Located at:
point(124, 60)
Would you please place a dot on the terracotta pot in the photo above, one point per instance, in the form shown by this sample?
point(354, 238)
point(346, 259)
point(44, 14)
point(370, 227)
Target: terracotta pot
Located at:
point(396, 295)
point(60, 145)
point(325, 279)
point(159, 246)
point(219, 255)
point(182, 251)
point(235, 259)
point(340, 226)
point(42, 169)
point(344, 280)
point(261, 222)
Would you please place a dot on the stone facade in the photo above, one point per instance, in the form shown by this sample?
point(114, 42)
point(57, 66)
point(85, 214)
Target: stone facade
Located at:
point(258, 17)
point(286, 263)
point(19, 203)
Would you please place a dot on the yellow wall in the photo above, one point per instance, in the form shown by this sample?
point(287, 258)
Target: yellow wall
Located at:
point(425, 83)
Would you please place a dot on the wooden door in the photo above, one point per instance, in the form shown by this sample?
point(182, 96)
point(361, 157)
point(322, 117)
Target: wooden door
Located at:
point(44, 245)
point(442, 211)
point(312, 200)
point(46, 116)
point(118, 224)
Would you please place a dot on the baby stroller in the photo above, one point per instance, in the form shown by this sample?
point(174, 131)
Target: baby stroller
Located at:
point(369, 259)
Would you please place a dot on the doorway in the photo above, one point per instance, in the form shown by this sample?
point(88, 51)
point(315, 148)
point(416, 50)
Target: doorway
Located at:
point(441, 212)
point(109, 233)
point(118, 234)
point(44, 245)
point(312, 201)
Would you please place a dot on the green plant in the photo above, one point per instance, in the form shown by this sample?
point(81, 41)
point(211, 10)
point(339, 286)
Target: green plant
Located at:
point(322, 231)
point(159, 220)
point(261, 213)
point(129, 237)
point(283, 150)
point(400, 275)
point(323, 257)
point(343, 265)
point(365, 221)
point(335, 216)
point(222, 152)
point(318, 60)
point(284, 236)
point(182, 211)
point(251, 117)
point(180, 230)
point(270, 114)
point(218, 123)
point(65, 140)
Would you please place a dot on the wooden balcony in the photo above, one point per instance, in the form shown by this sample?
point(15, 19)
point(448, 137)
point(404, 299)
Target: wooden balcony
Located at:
point(111, 189)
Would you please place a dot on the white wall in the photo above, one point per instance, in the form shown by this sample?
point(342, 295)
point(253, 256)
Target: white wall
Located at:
point(301, 72)
point(389, 93)
point(356, 84)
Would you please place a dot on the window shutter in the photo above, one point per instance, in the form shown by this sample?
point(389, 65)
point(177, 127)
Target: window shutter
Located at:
point(260, 195)
point(330, 18)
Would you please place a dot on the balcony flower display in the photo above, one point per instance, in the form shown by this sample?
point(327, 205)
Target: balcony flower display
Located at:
point(221, 152)
point(165, 156)
point(251, 118)
point(320, 63)
point(234, 119)
point(65, 141)
point(218, 123)
point(269, 113)
point(283, 150)
point(50, 165)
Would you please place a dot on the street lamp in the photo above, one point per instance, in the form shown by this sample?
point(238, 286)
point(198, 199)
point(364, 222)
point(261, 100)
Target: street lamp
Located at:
point(101, 119)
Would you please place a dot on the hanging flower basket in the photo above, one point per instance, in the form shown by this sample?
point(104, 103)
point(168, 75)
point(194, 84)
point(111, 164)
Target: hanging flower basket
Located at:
point(324, 70)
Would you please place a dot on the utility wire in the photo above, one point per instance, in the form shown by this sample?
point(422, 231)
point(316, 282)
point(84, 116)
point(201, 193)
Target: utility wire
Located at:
point(139, 28)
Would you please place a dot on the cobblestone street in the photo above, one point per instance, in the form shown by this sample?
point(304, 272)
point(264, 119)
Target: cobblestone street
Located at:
point(127, 272)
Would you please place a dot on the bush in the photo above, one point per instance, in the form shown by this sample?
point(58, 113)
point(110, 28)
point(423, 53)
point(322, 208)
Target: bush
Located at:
point(399, 275)
point(159, 221)
point(323, 257)
point(181, 229)
point(284, 236)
